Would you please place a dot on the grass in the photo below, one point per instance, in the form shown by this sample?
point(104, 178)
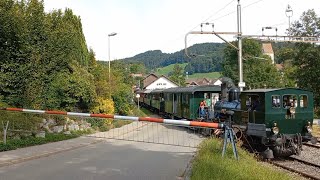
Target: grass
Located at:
point(208, 164)
point(32, 141)
point(316, 130)
point(166, 70)
point(206, 75)
point(146, 112)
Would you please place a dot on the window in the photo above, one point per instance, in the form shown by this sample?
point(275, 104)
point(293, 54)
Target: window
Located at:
point(289, 100)
point(303, 101)
point(253, 102)
point(275, 101)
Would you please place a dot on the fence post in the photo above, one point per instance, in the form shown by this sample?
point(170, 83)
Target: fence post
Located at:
point(5, 128)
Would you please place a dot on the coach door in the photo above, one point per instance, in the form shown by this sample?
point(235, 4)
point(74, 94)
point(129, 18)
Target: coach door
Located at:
point(175, 103)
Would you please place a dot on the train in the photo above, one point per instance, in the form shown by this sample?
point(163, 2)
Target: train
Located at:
point(275, 121)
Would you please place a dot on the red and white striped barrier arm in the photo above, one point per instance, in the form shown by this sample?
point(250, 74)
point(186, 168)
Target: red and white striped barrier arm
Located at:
point(133, 118)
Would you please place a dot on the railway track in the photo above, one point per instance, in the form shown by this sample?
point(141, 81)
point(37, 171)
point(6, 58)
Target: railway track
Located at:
point(313, 145)
point(305, 168)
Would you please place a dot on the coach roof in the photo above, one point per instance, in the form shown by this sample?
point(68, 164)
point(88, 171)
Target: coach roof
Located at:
point(192, 89)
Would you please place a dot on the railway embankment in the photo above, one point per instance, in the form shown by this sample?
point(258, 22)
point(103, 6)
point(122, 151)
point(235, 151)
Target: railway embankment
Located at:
point(208, 163)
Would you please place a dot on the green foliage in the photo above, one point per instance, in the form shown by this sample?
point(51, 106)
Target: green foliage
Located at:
point(208, 58)
point(72, 91)
point(308, 63)
point(122, 98)
point(307, 56)
point(258, 71)
point(208, 164)
point(178, 76)
point(20, 121)
point(308, 25)
point(39, 48)
point(289, 74)
point(284, 54)
point(32, 141)
point(137, 68)
point(100, 124)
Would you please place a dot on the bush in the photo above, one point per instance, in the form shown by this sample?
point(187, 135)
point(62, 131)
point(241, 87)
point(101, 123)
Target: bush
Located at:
point(31, 141)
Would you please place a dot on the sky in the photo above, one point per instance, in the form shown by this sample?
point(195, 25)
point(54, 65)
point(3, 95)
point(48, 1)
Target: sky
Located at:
point(143, 25)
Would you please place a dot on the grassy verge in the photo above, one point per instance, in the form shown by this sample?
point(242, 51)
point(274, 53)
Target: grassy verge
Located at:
point(32, 141)
point(146, 112)
point(208, 164)
point(206, 75)
point(316, 130)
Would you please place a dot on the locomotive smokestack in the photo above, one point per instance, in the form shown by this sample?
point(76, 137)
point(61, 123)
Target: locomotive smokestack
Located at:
point(226, 84)
point(224, 91)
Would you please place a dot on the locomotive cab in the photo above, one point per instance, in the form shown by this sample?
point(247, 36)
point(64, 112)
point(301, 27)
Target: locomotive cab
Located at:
point(279, 118)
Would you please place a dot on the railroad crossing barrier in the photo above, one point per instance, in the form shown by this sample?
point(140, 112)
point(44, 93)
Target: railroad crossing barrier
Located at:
point(142, 129)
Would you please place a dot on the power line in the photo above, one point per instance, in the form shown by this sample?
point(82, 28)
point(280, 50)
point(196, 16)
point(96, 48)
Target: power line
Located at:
point(235, 11)
point(252, 4)
point(213, 14)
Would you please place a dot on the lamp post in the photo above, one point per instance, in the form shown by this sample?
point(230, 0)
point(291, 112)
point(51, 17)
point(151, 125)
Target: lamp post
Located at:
point(138, 97)
point(109, 35)
point(289, 13)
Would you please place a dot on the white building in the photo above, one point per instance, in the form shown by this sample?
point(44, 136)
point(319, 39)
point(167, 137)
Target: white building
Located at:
point(161, 83)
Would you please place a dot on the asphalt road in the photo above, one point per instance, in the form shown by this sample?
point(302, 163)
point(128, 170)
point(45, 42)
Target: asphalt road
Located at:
point(109, 159)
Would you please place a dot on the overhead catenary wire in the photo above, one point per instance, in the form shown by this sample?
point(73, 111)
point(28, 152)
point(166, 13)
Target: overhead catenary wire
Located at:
point(227, 14)
point(215, 13)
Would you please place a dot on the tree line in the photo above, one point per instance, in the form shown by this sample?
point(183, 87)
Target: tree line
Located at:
point(300, 61)
point(46, 64)
point(205, 57)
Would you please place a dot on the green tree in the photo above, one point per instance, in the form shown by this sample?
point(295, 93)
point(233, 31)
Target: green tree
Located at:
point(308, 25)
point(258, 71)
point(307, 58)
point(178, 75)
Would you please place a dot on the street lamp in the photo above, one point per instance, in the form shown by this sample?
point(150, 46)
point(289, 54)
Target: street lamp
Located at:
point(138, 97)
point(109, 35)
point(289, 13)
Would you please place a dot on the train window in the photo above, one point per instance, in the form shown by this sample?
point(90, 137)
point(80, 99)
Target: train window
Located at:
point(275, 101)
point(303, 101)
point(289, 100)
point(253, 102)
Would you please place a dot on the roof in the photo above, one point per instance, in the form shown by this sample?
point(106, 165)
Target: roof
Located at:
point(159, 78)
point(267, 48)
point(261, 90)
point(193, 89)
point(157, 91)
point(200, 81)
point(147, 91)
point(270, 90)
point(150, 75)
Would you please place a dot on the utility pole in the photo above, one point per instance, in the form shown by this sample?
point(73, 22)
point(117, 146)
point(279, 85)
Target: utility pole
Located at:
point(241, 83)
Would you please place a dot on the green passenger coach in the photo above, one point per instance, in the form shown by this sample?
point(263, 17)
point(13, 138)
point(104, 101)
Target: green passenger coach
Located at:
point(183, 102)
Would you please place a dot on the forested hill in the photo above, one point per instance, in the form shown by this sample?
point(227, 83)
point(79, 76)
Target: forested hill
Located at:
point(208, 58)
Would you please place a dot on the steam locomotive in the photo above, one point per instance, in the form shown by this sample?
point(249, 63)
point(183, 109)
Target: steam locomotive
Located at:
point(275, 120)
